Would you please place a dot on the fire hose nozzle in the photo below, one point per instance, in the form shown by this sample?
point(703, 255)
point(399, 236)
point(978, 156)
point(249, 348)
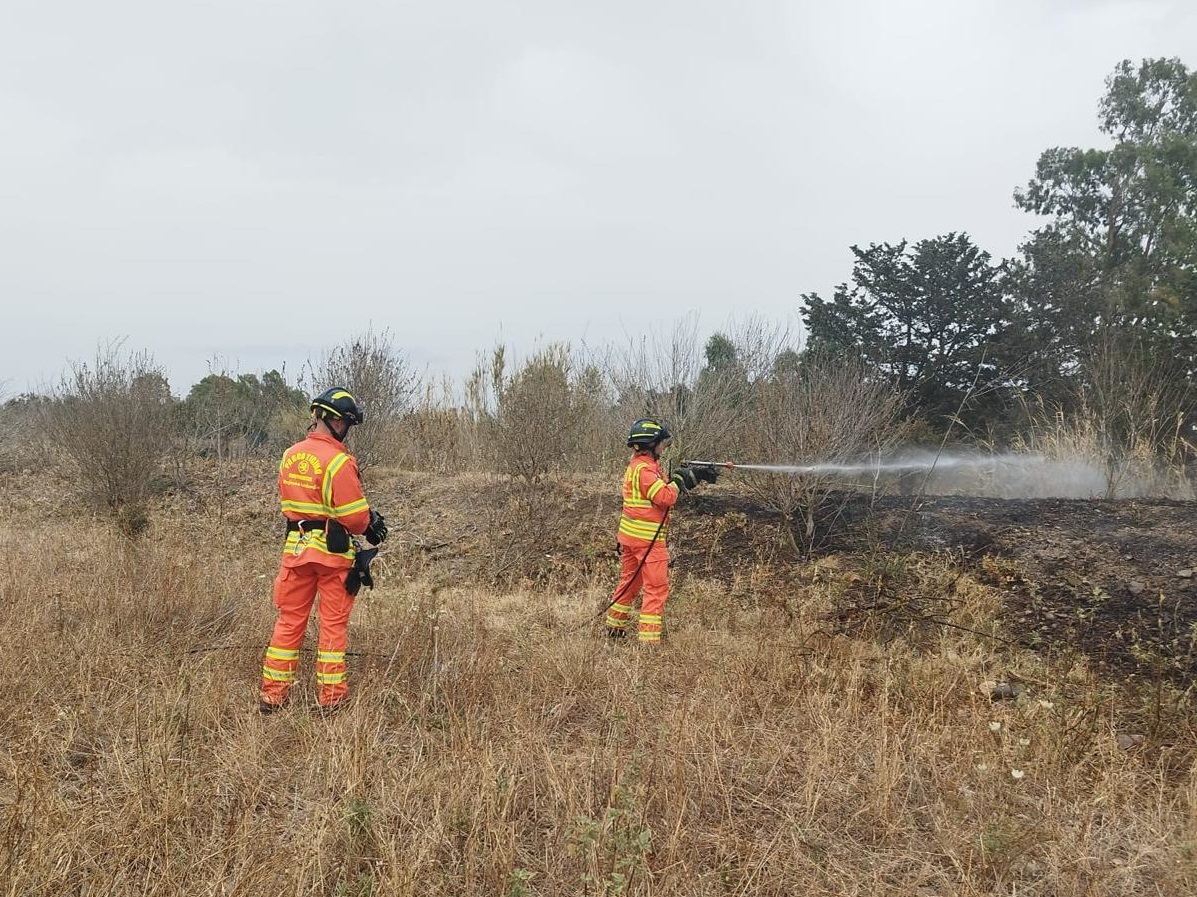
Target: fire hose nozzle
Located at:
point(727, 464)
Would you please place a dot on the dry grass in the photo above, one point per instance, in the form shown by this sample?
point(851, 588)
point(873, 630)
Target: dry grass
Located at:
point(494, 747)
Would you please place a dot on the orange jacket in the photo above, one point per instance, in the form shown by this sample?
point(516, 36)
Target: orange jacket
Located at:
point(647, 498)
point(318, 481)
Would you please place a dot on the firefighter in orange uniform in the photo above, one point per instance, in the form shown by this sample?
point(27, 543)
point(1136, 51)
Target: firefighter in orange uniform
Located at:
point(321, 496)
point(647, 500)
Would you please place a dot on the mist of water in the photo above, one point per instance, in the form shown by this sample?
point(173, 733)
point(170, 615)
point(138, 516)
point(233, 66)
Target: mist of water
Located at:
point(1010, 475)
point(903, 465)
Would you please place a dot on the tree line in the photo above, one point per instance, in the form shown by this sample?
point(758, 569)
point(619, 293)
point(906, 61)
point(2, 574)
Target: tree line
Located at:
point(1106, 284)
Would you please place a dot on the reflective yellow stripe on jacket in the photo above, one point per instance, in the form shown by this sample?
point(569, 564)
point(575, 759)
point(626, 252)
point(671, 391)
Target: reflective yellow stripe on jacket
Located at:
point(638, 524)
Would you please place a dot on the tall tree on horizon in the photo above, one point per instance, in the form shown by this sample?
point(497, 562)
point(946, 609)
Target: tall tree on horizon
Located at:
point(1119, 253)
point(930, 317)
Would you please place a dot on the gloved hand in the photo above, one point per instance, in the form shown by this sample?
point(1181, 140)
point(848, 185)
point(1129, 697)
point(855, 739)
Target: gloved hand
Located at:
point(359, 574)
point(376, 532)
point(708, 473)
point(684, 478)
point(356, 578)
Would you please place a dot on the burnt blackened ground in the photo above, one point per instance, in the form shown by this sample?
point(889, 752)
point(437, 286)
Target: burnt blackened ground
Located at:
point(1110, 579)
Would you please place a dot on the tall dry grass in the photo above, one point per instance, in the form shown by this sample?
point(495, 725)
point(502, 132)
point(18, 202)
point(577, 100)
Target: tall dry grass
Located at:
point(1085, 457)
point(1126, 429)
point(495, 747)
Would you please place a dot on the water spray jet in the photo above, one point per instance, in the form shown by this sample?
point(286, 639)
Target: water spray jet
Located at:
point(893, 465)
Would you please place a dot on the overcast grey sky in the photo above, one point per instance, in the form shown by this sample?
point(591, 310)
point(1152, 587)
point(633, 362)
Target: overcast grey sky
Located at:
point(259, 180)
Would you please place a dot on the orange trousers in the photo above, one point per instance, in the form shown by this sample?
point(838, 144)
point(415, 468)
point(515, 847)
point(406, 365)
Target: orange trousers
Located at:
point(653, 578)
point(295, 591)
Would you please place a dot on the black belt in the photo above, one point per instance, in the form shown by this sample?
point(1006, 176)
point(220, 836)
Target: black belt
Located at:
point(305, 525)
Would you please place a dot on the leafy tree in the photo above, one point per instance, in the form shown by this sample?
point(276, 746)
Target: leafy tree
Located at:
point(930, 317)
point(1123, 231)
point(787, 363)
point(223, 409)
point(720, 352)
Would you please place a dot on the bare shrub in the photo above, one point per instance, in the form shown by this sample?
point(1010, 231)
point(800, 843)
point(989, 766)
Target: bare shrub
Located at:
point(545, 415)
point(700, 391)
point(749, 396)
point(384, 384)
point(659, 377)
point(822, 409)
point(112, 420)
point(213, 414)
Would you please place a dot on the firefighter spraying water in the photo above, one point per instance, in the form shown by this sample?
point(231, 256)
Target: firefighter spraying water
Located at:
point(648, 497)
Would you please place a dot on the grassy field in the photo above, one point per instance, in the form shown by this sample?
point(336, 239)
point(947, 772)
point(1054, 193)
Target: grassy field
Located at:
point(495, 746)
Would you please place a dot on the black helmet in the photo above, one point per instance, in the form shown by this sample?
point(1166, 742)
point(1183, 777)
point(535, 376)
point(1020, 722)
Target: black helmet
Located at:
point(646, 432)
point(337, 402)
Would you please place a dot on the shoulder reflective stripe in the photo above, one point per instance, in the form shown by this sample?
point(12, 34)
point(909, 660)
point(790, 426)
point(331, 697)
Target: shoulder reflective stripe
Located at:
point(326, 487)
point(337, 462)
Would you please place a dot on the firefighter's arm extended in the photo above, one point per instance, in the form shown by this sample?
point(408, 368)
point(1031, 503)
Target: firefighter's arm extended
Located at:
point(707, 471)
point(662, 493)
point(689, 476)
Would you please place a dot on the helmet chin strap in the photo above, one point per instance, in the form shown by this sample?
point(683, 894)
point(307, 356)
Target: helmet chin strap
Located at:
point(327, 420)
